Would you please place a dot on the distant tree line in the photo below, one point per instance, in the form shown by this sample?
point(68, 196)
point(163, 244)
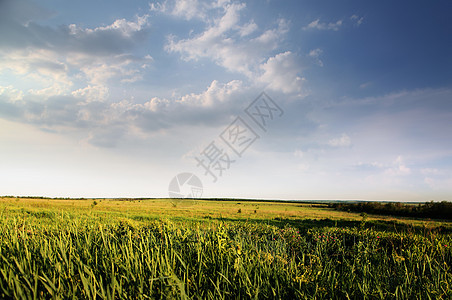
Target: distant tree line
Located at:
point(432, 210)
point(41, 197)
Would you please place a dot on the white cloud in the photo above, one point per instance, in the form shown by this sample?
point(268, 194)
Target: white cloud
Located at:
point(156, 104)
point(54, 73)
point(213, 43)
point(281, 73)
point(398, 169)
point(44, 67)
point(241, 49)
point(158, 6)
point(357, 19)
point(248, 29)
point(98, 70)
point(187, 9)
point(11, 94)
point(316, 24)
point(61, 84)
point(84, 111)
point(215, 93)
point(343, 141)
point(315, 53)
point(92, 93)
point(77, 61)
point(121, 26)
point(74, 69)
point(53, 90)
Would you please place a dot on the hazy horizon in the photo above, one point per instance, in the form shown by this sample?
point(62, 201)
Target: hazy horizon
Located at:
point(106, 99)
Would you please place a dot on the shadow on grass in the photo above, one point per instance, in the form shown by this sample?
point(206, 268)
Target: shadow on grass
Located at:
point(305, 224)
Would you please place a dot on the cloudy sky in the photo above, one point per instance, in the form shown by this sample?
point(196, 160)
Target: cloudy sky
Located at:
point(115, 98)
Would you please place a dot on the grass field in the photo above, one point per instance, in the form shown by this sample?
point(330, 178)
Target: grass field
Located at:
point(159, 249)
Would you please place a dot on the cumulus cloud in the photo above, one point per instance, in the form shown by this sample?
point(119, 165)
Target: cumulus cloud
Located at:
point(281, 73)
point(92, 93)
point(216, 43)
point(122, 26)
point(217, 93)
point(20, 30)
point(41, 66)
point(46, 49)
point(242, 48)
point(10, 94)
point(187, 9)
point(214, 94)
point(316, 24)
point(67, 73)
point(70, 74)
point(60, 77)
point(106, 122)
point(248, 29)
point(123, 67)
point(70, 60)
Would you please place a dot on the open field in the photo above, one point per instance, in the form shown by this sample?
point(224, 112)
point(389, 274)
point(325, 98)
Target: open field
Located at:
point(160, 248)
point(173, 209)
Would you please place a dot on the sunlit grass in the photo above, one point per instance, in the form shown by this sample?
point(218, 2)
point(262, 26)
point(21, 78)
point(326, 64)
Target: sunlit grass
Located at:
point(159, 248)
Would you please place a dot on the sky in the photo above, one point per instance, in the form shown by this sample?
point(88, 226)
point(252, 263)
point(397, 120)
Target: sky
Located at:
point(254, 99)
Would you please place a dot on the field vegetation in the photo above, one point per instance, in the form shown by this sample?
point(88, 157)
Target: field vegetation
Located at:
point(433, 210)
point(187, 249)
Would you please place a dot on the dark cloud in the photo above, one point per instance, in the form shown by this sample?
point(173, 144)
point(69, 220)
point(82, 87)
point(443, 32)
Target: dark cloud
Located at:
point(19, 28)
point(107, 123)
point(15, 16)
point(9, 110)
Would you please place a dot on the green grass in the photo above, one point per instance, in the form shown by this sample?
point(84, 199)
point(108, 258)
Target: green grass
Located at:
point(163, 249)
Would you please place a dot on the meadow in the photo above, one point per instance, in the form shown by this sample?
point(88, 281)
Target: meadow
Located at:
point(198, 249)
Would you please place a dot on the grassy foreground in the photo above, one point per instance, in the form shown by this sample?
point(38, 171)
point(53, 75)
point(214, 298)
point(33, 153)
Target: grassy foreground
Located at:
point(156, 249)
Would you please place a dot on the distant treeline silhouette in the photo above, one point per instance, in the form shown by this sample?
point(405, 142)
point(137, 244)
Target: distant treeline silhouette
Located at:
point(432, 210)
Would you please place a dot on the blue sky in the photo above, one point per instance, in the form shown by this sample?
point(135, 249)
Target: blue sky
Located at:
point(115, 98)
